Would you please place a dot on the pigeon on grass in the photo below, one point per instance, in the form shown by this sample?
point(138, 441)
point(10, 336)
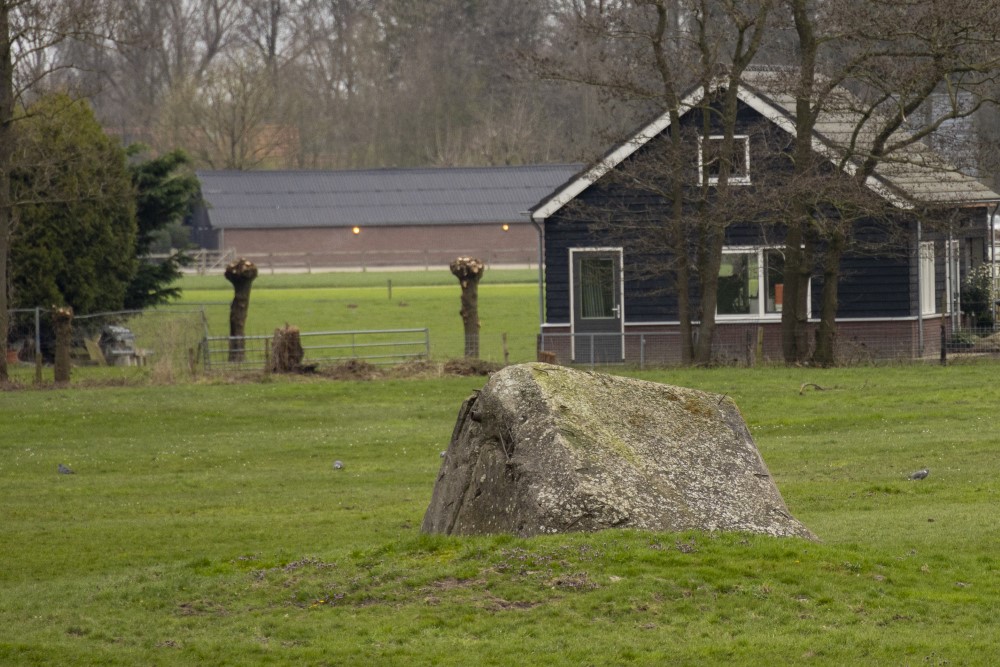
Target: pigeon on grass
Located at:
point(337, 465)
point(920, 474)
point(64, 470)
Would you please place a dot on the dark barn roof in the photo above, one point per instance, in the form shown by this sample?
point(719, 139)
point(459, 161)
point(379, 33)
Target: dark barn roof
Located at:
point(378, 197)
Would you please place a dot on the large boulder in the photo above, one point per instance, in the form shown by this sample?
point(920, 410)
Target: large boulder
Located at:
point(547, 449)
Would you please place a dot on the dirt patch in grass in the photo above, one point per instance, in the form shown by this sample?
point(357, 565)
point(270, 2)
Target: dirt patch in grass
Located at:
point(353, 369)
point(356, 369)
point(471, 367)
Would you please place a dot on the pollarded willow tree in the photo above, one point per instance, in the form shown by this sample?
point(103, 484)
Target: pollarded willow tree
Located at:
point(241, 275)
point(469, 271)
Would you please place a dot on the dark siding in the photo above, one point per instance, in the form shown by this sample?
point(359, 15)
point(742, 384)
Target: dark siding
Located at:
point(560, 236)
point(871, 287)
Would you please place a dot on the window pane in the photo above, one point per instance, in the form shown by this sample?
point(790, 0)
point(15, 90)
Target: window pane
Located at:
point(774, 280)
point(928, 301)
point(738, 284)
point(597, 298)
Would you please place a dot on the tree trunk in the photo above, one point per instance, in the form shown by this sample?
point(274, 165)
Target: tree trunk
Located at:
point(286, 350)
point(708, 269)
point(825, 354)
point(241, 274)
point(795, 307)
point(62, 321)
point(469, 271)
point(6, 161)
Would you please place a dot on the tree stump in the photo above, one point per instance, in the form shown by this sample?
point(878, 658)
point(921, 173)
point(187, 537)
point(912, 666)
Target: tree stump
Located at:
point(469, 271)
point(62, 322)
point(241, 274)
point(286, 350)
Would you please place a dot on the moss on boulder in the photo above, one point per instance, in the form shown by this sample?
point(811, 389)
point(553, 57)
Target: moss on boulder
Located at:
point(547, 449)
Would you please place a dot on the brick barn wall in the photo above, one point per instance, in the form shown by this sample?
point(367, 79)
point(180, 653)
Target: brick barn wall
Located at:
point(374, 246)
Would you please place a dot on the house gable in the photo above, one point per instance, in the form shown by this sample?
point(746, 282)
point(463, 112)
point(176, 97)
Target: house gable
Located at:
point(920, 176)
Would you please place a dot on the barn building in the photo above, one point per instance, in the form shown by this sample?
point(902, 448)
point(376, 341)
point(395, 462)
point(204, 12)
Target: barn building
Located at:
point(382, 217)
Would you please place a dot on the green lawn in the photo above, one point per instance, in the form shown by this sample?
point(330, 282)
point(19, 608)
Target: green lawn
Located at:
point(206, 525)
point(364, 301)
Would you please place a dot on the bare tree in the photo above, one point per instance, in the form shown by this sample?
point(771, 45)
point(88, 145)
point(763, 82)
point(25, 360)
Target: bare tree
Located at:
point(227, 121)
point(678, 57)
point(469, 272)
point(29, 31)
point(895, 55)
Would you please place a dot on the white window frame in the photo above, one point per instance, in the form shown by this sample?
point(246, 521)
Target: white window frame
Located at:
point(928, 279)
point(734, 179)
point(952, 279)
point(761, 313)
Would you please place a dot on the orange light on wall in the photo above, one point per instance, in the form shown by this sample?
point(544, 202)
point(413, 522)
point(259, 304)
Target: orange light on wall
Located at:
point(505, 227)
point(356, 230)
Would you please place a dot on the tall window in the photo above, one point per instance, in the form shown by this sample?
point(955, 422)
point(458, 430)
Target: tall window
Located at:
point(751, 282)
point(928, 302)
point(710, 159)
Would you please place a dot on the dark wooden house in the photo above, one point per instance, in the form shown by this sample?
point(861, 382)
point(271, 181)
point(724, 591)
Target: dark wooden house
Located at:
point(602, 306)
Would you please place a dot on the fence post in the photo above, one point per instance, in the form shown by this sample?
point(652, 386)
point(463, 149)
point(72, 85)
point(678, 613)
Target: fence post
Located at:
point(427, 343)
point(38, 345)
point(642, 351)
point(944, 346)
point(506, 352)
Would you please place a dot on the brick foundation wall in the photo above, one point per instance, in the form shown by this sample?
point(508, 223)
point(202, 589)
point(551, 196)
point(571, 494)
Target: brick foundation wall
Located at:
point(751, 343)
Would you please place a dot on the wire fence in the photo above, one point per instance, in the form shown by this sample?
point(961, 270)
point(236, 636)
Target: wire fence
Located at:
point(159, 341)
point(173, 343)
point(377, 347)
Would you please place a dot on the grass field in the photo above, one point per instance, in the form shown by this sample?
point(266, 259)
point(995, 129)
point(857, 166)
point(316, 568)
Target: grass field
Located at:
point(347, 301)
point(206, 525)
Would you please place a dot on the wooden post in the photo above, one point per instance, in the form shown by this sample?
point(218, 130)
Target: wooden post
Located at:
point(506, 351)
point(759, 359)
point(62, 320)
point(241, 274)
point(944, 346)
point(469, 271)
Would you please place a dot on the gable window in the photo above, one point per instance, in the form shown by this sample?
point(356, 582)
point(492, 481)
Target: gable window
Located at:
point(751, 282)
point(710, 160)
